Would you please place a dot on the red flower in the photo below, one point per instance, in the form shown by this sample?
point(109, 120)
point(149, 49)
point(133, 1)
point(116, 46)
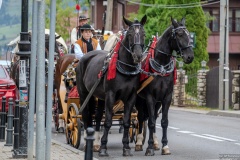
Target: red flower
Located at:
point(78, 7)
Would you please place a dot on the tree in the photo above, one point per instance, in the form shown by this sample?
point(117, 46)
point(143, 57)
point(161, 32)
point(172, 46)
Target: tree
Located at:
point(63, 16)
point(160, 16)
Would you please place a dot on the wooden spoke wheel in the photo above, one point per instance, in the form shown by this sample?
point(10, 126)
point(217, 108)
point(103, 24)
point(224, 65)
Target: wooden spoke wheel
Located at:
point(144, 131)
point(73, 126)
point(134, 130)
point(55, 112)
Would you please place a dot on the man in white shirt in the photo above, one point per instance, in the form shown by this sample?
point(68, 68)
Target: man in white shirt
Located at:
point(76, 34)
point(86, 43)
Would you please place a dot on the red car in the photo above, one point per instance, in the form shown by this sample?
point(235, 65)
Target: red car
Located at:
point(8, 87)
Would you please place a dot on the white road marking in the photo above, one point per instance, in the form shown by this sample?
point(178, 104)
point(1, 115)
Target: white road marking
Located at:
point(173, 127)
point(237, 144)
point(189, 132)
point(214, 139)
point(159, 125)
point(227, 139)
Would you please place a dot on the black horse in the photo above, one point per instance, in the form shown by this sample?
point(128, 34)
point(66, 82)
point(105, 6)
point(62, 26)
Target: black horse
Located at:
point(159, 91)
point(122, 87)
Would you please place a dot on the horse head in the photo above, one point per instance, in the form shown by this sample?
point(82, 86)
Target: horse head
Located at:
point(181, 40)
point(135, 36)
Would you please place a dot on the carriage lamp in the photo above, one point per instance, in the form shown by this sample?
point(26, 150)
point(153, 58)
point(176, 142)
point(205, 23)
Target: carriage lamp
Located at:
point(203, 64)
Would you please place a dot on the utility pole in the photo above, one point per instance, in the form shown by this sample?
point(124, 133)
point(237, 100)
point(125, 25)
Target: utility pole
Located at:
point(224, 57)
point(109, 15)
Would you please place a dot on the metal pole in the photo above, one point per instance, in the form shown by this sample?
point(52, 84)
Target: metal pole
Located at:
point(226, 51)
point(50, 78)
point(9, 141)
point(24, 53)
point(89, 144)
point(16, 129)
point(40, 94)
point(221, 55)
point(109, 15)
point(33, 81)
point(3, 120)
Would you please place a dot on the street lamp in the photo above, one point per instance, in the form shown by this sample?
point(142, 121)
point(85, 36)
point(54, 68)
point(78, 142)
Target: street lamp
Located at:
point(203, 64)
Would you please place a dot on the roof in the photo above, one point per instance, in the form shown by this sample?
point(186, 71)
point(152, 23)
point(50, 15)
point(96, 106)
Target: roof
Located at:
point(234, 44)
point(47, 31)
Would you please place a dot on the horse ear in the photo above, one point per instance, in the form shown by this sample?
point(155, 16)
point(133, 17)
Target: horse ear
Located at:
point(174, 23)
point(127, 22)
point(183, 21)
point(143, 20)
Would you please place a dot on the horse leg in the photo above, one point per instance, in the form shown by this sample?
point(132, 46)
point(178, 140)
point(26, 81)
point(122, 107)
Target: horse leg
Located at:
point(140, 105)
point(109, 102)
point(164, 123)
point(151, 126)
point(98, 119)
point(128, 106)
point(155, 140)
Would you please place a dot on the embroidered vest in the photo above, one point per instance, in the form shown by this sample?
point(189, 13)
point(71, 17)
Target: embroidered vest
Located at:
point(83, 45)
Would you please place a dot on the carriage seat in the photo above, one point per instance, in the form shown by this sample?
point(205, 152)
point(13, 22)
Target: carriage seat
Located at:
point(111, 42)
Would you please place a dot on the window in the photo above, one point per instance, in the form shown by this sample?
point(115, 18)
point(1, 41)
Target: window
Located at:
point(234, 19)
point(230, 20)
point(237, 20)
point(215, 23)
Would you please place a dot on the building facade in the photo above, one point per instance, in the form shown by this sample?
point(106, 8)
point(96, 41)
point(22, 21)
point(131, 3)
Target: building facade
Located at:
point(234, 34)
point(108, 13)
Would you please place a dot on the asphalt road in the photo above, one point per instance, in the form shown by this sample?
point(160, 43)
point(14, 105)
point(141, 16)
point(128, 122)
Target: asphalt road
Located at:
point(191, 136)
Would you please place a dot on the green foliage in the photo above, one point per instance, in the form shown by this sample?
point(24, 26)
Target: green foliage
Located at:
point(64, 13)
point(159, 19)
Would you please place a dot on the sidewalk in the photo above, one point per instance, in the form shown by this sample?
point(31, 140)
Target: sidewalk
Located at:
point(59, 151)
point(216, 112)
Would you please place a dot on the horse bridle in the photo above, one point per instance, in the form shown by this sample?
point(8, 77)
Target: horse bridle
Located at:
point(180, 50)
point(130, 50)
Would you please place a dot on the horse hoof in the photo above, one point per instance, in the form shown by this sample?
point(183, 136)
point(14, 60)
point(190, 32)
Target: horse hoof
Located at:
point(61, 130)
point(96, 148)
point(149, 152)
point(156, 147)
point(165, 150)
point(103, 153)
point(138, 148)
point(127, 152)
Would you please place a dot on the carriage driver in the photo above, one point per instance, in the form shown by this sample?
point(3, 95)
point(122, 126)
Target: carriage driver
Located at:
point(86, 43)
point(75, 33)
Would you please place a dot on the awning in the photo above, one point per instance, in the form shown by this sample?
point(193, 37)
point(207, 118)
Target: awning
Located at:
point(213, 44)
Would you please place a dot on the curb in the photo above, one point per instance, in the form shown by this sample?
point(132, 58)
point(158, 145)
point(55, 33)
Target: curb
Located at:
point(68, 147)
point(235, 114)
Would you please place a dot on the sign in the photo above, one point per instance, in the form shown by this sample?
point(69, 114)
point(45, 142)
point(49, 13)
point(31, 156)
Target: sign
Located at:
point(22, 74)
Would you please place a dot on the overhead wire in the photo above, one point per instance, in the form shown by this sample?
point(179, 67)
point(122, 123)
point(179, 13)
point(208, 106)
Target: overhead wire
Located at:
point(187, 5)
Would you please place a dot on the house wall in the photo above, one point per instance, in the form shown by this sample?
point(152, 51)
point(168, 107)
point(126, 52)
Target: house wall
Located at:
point(120, 8)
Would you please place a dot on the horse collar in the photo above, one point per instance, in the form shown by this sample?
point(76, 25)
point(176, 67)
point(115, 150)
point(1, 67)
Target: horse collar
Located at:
point(121, 70)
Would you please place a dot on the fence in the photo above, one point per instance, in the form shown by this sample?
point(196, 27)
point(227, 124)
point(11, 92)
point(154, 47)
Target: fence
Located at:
point(200, 88)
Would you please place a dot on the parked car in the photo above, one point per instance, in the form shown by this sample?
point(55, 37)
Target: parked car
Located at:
point(6, 64)
point(8, 87)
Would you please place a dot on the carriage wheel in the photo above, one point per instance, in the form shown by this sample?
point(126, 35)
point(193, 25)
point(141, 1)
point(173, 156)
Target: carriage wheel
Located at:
point(73, 128)
point(144, 131)
point(55, 116)
point(133, 130)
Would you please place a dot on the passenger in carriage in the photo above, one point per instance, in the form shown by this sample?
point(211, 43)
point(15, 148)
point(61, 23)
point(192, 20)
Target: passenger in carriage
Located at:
point(86, 43)
point(76, 33)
